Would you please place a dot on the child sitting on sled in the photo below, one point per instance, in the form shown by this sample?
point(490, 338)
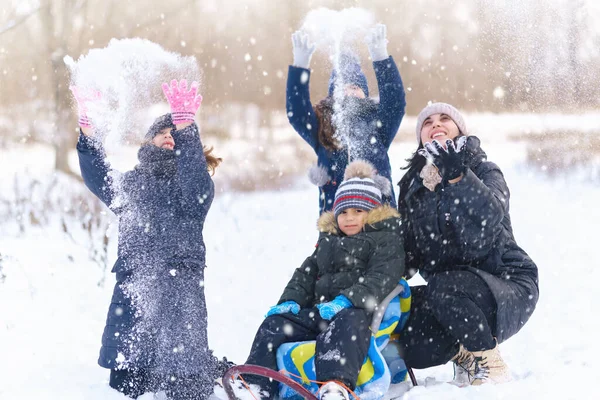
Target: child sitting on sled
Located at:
point(331, 298)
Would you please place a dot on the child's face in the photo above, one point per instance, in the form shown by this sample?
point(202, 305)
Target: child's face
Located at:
point(164, 139)
point(352, 220)
point(354, 91)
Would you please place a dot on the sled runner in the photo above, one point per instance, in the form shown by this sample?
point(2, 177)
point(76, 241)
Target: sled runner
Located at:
point(381, 367)
point(266, 372)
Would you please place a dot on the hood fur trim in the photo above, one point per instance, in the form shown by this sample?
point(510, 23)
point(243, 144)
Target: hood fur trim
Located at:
point(328, 224)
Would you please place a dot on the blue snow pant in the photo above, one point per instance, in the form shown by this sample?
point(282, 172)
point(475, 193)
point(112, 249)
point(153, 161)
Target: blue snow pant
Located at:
point(346, 337)
point(454, 307)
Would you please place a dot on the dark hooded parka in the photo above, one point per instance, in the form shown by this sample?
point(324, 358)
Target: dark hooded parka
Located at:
point(158, 303)
point(467, 226)
point(364, 267)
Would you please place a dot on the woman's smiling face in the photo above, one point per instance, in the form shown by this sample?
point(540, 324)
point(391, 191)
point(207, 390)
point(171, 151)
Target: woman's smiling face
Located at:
point(438, 127)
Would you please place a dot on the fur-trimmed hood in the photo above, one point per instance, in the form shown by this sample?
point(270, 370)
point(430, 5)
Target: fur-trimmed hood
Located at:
point(327, 222)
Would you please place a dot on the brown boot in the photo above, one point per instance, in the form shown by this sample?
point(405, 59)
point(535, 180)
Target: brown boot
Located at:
point(464, 367)
point(490, 367)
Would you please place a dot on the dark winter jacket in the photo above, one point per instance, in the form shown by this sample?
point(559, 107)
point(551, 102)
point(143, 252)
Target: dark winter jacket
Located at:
point(372, 135)
point(467, 225)
point(161, 213)
point(364, 267)
point(161, 206)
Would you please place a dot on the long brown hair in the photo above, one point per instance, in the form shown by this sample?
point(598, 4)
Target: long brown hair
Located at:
point(211, 160)
point(324, 114)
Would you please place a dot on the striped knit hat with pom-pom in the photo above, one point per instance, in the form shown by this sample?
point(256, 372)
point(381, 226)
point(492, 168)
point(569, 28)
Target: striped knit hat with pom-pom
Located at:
point(362, 188)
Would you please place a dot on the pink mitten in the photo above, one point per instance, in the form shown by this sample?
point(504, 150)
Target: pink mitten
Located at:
point(184, 104)
point(83, 97)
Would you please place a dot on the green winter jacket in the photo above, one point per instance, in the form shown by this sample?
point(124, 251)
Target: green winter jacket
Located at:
point(364, 267)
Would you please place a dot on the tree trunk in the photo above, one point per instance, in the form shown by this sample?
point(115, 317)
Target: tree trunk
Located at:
point(573, 40)
point(64, 137)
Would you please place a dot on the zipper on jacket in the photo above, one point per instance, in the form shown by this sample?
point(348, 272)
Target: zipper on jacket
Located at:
point(437, 211)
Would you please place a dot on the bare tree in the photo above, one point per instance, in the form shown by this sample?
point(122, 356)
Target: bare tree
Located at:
point(57, 19)
point(459, 52)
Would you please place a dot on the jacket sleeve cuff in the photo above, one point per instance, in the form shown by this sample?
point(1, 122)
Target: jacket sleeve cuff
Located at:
point(383, 63)
point(469, 184)
point(471, 187)
point(87, 142)
point(298, 75)
point(186, 134)
point(456, 191)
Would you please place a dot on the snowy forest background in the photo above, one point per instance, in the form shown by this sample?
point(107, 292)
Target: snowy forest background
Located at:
point(526, 74)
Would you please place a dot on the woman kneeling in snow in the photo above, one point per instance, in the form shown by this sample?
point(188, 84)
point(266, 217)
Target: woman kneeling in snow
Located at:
point(359, 259)
point(156, 330)
point(482, 287)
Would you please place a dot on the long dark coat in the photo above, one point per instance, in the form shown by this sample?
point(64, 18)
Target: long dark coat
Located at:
point(364, 267)
point(158, 303)
point(467, 226)
point(372, 133)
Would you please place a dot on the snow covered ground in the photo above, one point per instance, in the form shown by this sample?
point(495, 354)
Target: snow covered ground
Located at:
point(52, 309)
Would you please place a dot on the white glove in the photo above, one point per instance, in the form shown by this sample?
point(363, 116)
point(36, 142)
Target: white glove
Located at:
point(377, 42)
point(303, 49)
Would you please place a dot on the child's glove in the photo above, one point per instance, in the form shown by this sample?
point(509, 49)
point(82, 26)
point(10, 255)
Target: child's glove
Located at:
point(303, 49)
point(377, 42)
point(285, 307)
point(329, 309)
point(84, 97)
point(450, 161)
point(184, 103)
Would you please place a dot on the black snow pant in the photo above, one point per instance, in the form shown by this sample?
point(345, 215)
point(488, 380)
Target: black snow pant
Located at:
point(341, 347)
point(454, 307)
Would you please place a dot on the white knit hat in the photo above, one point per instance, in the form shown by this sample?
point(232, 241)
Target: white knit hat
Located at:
point(440, 108)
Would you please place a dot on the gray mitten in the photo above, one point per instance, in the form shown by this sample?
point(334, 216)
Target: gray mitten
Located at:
point(303, 49)
point(377, 42)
